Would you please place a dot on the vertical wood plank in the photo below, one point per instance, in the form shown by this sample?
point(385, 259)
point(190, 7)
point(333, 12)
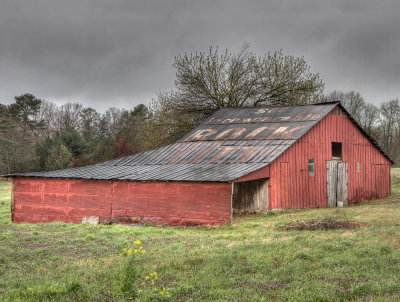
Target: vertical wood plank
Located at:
point(285, 184)
point(342, 177)
point(332, 182)
point(250, 195)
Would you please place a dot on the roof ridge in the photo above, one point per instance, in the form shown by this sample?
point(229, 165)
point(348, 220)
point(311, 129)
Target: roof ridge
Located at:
point(280, 106)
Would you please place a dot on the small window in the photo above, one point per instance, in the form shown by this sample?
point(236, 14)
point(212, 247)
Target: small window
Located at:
point(358, 167)
point(336, 151)
point(310, 167)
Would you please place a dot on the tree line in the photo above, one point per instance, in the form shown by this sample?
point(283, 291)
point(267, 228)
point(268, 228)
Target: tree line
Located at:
point(38, 135)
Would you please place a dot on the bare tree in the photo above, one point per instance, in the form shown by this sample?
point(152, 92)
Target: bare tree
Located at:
point(213, 80)
point(68, 117)
point(208, 81)
point(389, 123)
point(110, 122)
point(47, 115)
point(369, 118)
point(352, 101)
point(336, 96)
point(355, 104)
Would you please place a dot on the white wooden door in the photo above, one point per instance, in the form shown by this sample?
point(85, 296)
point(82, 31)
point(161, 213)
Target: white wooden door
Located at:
point(337, 182)
point(342, 184)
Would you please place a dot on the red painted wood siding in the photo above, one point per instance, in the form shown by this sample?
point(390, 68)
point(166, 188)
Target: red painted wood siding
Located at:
point(262, 173)
point(175, 203)
point(307, 191)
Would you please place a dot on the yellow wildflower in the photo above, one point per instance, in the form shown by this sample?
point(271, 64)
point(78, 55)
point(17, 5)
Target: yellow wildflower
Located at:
point(161, 293)
point(125, 249)
point(147, 277)
point(138, 242)
point(143, 251)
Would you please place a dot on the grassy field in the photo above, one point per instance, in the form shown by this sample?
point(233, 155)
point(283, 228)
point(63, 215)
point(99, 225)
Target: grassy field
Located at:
point(251, 260)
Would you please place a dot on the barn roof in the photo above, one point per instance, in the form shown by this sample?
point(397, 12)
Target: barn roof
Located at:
point(232, 143)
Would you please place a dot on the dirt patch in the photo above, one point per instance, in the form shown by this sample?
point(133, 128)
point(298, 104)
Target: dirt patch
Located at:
point(329, 223)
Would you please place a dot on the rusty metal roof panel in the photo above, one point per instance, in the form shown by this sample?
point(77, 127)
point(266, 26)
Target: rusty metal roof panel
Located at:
point(263, 123)
point(208, 152)
point(248, 132)
point(230, 144)
point(282, 114)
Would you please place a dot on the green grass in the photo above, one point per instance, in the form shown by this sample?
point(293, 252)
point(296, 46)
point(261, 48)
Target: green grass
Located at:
point(248, 261)
point(396, 178)
point(5, 196)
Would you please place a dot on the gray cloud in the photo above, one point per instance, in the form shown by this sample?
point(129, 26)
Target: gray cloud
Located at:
point(119, 53)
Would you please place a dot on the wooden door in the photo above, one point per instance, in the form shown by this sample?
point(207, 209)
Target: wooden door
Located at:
point(337, 182)
point(285, 185)
point(331, 177)
point(342, 184)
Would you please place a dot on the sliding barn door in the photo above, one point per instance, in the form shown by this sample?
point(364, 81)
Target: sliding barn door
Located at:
point(342, 187)
point(331, 175)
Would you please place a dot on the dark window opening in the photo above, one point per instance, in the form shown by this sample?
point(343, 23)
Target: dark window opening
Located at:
point(337, 151)
point(310, 167)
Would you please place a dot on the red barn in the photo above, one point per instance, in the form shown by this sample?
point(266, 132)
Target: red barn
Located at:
point(240, 158)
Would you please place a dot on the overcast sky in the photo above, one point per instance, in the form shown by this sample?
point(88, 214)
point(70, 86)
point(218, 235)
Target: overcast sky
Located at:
point(106, 53)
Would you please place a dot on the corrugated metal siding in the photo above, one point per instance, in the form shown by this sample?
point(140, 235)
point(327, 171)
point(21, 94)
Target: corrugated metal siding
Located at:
point(209, 152)
point(307, 191)
point(49, 200)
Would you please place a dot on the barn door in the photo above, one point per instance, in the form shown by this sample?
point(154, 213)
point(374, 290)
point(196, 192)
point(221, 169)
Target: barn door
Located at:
point(337, 182)
point(286, 181)
point(342, 193)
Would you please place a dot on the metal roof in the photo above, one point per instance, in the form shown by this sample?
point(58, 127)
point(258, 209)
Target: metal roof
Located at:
point(177, 172)
point(232, 143)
